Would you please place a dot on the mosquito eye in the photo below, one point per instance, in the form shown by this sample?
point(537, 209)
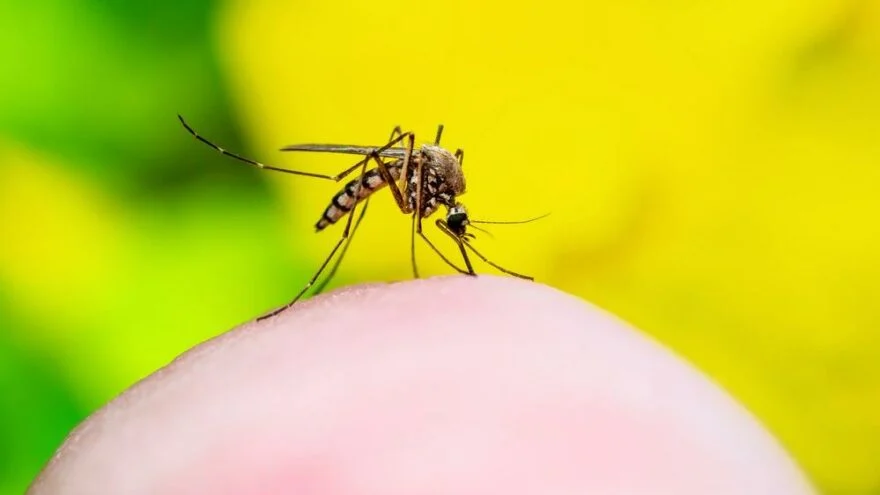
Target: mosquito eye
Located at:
point(456, 221)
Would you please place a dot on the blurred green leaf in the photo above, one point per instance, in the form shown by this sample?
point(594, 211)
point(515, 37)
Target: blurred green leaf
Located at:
point(101, 83)
point(37, 408)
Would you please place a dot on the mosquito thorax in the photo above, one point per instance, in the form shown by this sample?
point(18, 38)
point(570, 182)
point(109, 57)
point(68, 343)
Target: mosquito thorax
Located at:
point(444, 164)
point(435, 179)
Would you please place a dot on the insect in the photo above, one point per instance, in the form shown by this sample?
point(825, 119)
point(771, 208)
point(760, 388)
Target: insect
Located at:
point(421, 180)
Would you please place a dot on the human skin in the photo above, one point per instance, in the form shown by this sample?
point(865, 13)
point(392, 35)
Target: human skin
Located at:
point(455, 386)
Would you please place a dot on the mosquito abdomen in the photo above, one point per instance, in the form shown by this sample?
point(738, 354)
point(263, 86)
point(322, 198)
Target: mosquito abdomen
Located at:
point(346, 199)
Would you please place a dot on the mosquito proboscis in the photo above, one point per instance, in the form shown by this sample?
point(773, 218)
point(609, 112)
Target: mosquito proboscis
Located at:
point(421, 180)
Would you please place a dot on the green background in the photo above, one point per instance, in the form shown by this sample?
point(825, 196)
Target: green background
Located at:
point(712, 170)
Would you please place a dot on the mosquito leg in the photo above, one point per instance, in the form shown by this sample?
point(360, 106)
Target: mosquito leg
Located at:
point(255, 163)
point(389, 180)
point(402, 182)
point(417, 228)
point(345, 235)
point(443, 257)
point(383, 167)
point(412, 246)
point(459, 155)
point(496, 266)
point(417, 222)
point(396, 132)
point(467, 261)
point(375, 154)
point(236, 156)
point(464, 243)
point(439, 134)
point(396, 136)
point(404, 171)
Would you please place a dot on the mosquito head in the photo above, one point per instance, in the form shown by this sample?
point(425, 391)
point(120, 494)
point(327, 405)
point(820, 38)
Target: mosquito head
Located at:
point(457, 219)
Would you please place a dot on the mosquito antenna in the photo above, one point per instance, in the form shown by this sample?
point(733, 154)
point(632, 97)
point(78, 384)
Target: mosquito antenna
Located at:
point(510, 222)
point(439, 133)
point(481, 230)
point(241, 158)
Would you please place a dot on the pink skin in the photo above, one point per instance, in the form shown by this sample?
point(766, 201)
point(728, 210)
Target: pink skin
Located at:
point(451, 386)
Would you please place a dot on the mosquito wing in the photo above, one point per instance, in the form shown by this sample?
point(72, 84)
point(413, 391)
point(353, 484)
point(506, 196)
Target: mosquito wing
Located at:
point(346, 149)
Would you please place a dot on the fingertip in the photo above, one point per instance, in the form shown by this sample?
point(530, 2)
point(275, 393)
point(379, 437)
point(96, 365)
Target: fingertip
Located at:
point(442, 384)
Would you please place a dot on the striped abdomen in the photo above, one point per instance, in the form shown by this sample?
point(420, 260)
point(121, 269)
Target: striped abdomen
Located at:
point(345, 199)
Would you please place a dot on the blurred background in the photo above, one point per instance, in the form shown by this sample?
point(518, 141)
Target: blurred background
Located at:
point(712, 169)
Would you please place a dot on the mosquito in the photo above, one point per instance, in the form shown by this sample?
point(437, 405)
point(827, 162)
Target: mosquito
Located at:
point(422, 180)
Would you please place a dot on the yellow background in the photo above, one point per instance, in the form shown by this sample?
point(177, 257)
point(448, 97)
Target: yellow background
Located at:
point(712, 172)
